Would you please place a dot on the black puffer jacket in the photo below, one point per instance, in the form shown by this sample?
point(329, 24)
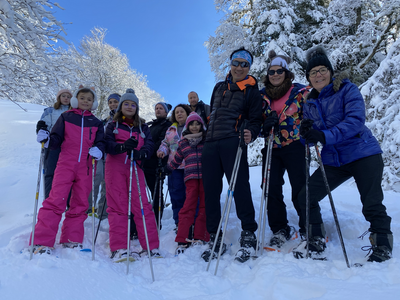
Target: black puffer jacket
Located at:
point(158, 128)
point(231, 103)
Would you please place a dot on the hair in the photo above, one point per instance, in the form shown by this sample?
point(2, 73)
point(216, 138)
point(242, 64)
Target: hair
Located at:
point(57, 105)
point(85, 91)
point(185, 107)
point(136, 119)
point(241, 49)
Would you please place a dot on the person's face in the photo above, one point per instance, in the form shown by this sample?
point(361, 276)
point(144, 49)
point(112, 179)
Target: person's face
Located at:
point(128, 108)
point(319, 81)
point(193, 99)
point(194, 127)
point(113, 104)
point(85, 100)
point(160, 111)
point(276, 79)
point(180, 115)
point(65, 98)
point(239, 73)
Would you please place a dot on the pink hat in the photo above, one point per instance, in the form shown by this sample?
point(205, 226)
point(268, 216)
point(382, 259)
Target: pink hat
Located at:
point(63, 91)
point(193, 116)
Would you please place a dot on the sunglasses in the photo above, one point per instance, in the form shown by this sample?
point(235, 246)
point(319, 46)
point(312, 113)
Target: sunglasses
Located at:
point(279, 72)
point(243, 64)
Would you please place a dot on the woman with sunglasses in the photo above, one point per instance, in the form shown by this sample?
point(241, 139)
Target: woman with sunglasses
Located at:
point(283, 111)
point(334, 115)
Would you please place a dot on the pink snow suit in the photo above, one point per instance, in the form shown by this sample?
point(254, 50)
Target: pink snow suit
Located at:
point(75, 131)
point(117, 174)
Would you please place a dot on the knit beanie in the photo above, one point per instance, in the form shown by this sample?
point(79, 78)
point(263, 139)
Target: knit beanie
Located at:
point(278, 60)
point(129, 95)
point(193, 116)
point(114, 96)
point(167, 107)
point(60, 92)
point(74, 99)
point(317, 57)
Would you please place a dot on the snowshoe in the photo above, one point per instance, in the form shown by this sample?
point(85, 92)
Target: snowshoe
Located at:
point(248, 244)
point(207, 255)
point(280, 239)
point(316, 248)
point(39, 249)
point(155, 253)
point(121, 255)
point(181, 248)
point(72, 245)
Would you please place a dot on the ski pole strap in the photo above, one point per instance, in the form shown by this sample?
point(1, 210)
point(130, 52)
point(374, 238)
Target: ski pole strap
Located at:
point(242, 128)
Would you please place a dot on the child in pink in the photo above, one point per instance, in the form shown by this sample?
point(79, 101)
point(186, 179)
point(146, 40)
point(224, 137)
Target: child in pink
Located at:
point(189, 150)
point(80, 135)
point(127, 133)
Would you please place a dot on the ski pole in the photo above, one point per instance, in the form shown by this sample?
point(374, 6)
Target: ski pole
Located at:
point(98, 226)
point(228, 200)
point(93, 204)
point(36, 200)
point(143, 217)
point(129, 214)
point(264, 196)
point(321, 165)
point(307, 198)
point(159, 182)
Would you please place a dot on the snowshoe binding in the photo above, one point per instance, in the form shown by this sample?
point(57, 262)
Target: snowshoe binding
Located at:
point(207, 255)
point(248, 244)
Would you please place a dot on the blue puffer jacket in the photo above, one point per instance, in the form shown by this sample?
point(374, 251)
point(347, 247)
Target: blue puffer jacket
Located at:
point(340, 115)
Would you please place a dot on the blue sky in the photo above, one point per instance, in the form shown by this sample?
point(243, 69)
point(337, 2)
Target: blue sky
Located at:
point(163, 40)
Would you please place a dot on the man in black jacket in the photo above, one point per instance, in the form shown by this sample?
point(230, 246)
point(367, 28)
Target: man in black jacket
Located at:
point(233, 100)
point(157, 127)
point(202, 109)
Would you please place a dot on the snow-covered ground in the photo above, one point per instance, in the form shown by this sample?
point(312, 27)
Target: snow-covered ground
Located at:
point(70, 274)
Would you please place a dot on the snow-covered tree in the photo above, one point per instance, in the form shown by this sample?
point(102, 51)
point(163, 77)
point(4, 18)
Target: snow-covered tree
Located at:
point(28, 35)
point(382, 95)
point(107, 69)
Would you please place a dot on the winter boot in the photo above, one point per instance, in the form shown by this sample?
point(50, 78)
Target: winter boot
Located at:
point(155, 253)
point(381, 246)
point(316, 245)
point(206, 255)
point(39, 249)
point(181, 248)
point(281, 237)
point(248, 244)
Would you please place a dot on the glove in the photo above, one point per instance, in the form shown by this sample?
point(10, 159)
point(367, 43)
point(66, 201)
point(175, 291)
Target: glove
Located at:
point(306, 125)
point(137, 154)
point(120, 148)
point(41, 125)
point(271, 121)
point(95, 153)
point(131, 143)
point(43, 136)
point(314, 136)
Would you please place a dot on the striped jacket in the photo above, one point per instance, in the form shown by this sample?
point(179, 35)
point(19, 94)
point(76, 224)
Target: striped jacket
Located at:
point(191, 155)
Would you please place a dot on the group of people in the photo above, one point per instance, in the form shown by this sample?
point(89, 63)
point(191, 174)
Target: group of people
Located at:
point(197, 146)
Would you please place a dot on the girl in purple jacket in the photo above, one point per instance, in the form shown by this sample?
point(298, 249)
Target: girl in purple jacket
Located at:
point(127, 133)
point(189, 150)
point(80, 135)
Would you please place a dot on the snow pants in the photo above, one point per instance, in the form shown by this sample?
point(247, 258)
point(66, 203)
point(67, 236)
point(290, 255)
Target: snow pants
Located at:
point(194, 193)
point(117, 181)
point(367, 173)
point(69, 176)
point(218, 158)
point(177, 192)
point(290, 158)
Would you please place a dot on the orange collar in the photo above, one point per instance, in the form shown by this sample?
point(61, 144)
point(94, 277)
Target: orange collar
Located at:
point(250, 81)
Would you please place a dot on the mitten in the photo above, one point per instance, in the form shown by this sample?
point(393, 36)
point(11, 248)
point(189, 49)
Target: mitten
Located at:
point(314, 136)
point(95, 153)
